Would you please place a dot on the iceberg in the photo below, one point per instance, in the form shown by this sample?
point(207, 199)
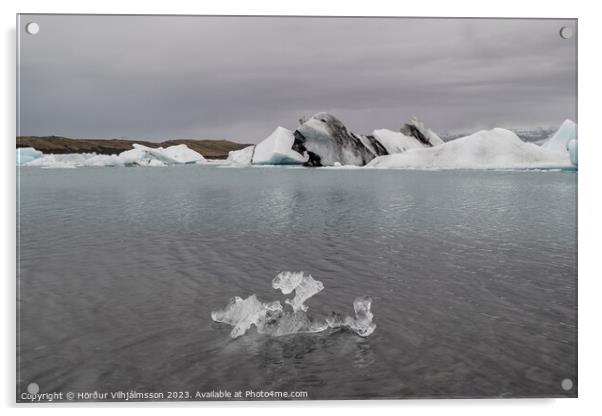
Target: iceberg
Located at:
point(102, 160)
point(181, 153)
point(172, 155)
point(63, 161)
point(27, 154)
point(560, 140)
point(488, 149)
point(304, 286)
point(361, 324)
point(327, 142)
point(138, 156)
point(572, 146)
point(271, 318)
point(396, 142)
point(320, 140)
point(242, 156)
point(415, 128)
point(277, 149)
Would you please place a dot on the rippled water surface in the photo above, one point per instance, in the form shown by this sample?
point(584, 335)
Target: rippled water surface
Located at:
point(472, 274)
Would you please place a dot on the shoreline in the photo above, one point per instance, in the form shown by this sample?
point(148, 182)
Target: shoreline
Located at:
point(212, 149)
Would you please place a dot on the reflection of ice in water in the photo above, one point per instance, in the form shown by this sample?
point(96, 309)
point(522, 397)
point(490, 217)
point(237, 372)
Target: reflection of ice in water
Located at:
point(364, 356)
point(273, 319)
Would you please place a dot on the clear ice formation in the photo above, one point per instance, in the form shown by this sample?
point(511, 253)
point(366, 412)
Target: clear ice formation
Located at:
point(304, 286)
point(272, 318)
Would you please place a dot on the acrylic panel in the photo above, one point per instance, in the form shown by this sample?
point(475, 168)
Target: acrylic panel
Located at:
point(295, 208)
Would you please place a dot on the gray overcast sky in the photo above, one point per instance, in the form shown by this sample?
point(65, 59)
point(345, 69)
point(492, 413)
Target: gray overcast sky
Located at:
point(159, 77)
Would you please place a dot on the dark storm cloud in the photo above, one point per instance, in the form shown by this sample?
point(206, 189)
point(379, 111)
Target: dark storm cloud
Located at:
point(238, 78)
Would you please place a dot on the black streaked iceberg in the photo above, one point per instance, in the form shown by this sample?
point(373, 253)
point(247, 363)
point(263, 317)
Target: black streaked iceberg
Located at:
point(560, 140)
point(327, 141)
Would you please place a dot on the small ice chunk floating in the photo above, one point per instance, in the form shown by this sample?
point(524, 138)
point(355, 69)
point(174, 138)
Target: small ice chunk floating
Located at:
point(272, 318)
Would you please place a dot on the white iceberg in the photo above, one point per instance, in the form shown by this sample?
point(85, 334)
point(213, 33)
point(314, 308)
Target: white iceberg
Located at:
point(242, 156)
point(27, 154)
point(487, 149)
point(242, 313)
point(140, 155)
point(415, 128)
point(276, 149)
point(327, 141)
point(361, 324)
point(560, 140)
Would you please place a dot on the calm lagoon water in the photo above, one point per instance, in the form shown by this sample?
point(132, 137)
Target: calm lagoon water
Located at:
point(473, 278)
